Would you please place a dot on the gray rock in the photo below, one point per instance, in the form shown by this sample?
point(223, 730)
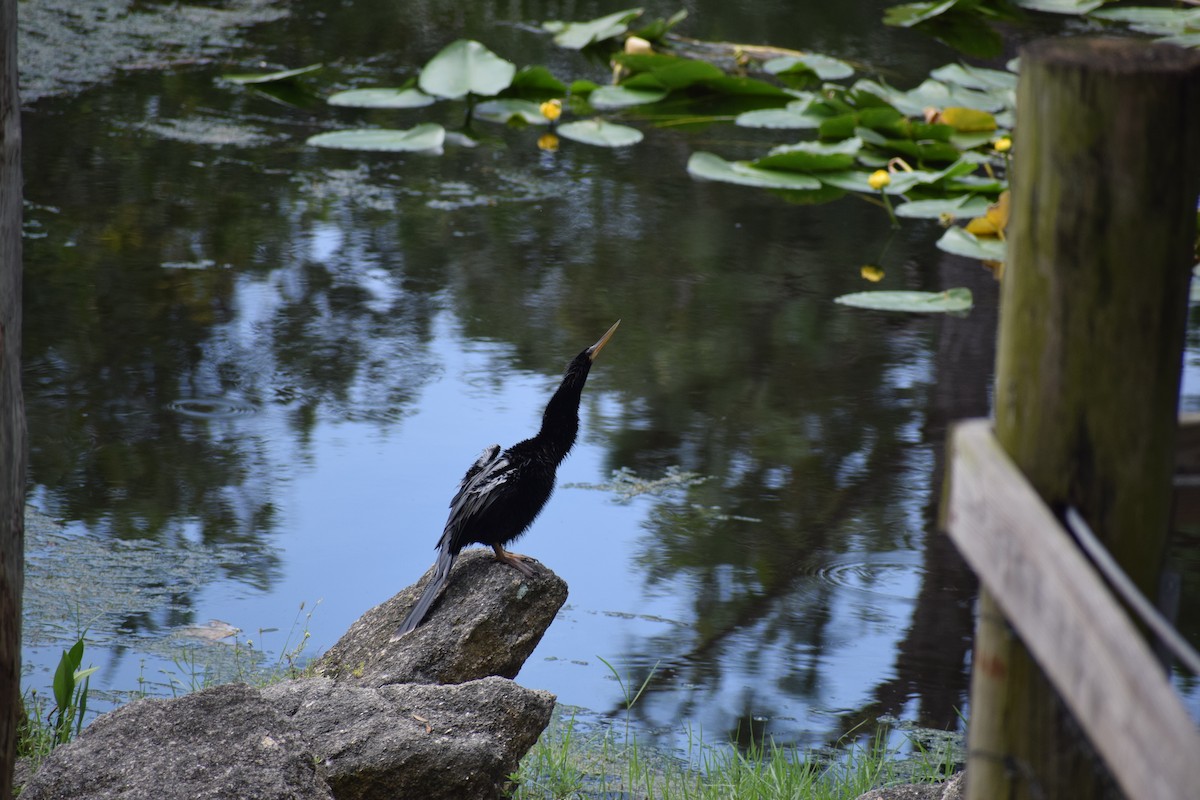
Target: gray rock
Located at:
point(219, 743)
point(951, 789)
point(410, 740)
point(487, 622)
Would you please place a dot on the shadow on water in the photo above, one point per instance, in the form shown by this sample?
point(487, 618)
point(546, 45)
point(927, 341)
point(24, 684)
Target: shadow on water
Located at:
point(255, 371)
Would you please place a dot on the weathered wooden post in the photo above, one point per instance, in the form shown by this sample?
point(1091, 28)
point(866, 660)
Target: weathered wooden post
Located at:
point(1092, 316)
point(12, 414)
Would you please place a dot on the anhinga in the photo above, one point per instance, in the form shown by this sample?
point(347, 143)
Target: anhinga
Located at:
point(504, 490)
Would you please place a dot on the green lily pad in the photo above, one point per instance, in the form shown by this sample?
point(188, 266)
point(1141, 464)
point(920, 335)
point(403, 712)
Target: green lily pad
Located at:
point(381, 98)
point(936, 94)
point(426, 137)
point(1078, 7)
point(963, 243)
point(609, 97)
point(600, 133)
point(271, 77)
point(1160, 21)
point(907, 15)
point(951, 300)
point(578, 35)
point(975, 77)
point(812, 156)
point(507, 109)
point(714, 168)
point(536, 80)
point(962, 206)
point(661, 71)
point(466, 67)
point(824, 67)
point(779, 118)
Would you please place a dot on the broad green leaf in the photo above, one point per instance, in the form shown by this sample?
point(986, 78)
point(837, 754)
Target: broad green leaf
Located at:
point(962, 206)
point(825, 68)
point(657, 70)
point(466, 67)
point(741, 85)
point(951, 300)
point(782, 118)
point(1161, 21)
point(1061, 6)
point(607, 97)
point(907, 15)
point(600, 133)
point(578, 35)
point(961, 243)
point(271, 77)
point(503, 110)
point(381, 98)
point(811, 156)
point(537, 80)
point(659, 27)
point(968, 120)
point(934, 94)
point(975, 77)
point(427, 136)
point(714, 168)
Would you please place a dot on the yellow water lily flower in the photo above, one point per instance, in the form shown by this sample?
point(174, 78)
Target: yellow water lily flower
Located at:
point(871, 273)
point(551, 109)
point(879, 179)
point(1002, 145)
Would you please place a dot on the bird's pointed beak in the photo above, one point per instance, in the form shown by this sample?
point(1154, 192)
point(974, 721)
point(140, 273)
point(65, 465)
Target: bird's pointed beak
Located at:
point(595, 349)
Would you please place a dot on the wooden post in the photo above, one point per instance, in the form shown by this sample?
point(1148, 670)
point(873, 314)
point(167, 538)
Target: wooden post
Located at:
point(1092, 314)
point(12, 411)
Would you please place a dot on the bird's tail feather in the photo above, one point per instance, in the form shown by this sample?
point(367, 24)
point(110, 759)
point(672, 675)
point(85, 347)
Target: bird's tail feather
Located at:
point(441, 573)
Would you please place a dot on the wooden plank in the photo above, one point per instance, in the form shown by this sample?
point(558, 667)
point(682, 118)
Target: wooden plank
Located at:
point(1065, 615)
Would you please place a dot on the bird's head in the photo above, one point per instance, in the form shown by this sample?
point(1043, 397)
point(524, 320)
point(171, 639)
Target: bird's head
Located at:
point(582, 363)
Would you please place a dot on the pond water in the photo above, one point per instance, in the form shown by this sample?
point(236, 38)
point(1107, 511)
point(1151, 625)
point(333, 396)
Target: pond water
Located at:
point(255, 372)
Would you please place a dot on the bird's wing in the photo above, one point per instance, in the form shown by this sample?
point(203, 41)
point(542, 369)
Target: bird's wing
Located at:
point(484, 482)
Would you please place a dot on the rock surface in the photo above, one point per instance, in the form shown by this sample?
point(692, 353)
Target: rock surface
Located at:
point(487, 622)
point(425, 717)
point(195, 747)
point(412, 740)
point(952, 789)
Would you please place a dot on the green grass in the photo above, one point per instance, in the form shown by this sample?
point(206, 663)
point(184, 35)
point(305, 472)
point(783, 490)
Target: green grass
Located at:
point(575, 761)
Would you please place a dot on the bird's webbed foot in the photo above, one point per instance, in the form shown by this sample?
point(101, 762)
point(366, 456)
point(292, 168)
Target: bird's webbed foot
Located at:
point(515, 560)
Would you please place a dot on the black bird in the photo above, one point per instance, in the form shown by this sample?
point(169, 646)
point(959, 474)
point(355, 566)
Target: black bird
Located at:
point(503, 492)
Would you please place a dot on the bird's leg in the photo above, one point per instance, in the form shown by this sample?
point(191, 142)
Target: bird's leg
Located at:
point(514, 560)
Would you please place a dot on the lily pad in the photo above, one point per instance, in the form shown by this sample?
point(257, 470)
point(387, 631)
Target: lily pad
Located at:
point(961, 243)
point(714, 168)
point(271, 77)
point(812, 156)
point(600, 133)
point(381, 98)
point(536, 80)
point(824, 67)
point(951, 300)
point(507, 109)
point(426, 137)
point(578, 35)
point(788, 118)
point(962, 206)
point(466, 67)
point(609, 97)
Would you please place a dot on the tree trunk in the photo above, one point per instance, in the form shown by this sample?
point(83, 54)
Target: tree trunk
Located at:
point(12, 410)
point(1092, 321)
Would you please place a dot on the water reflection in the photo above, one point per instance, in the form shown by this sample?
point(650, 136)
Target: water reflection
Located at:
point(264, 367)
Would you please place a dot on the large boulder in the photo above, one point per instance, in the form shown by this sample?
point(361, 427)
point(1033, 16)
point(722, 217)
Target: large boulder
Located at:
point(423, 717)
point(487, 622)
point(411, 740)
point(223, 742)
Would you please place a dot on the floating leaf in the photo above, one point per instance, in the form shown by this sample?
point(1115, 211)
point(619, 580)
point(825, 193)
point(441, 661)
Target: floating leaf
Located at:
point(600, 133)
point(714, 168)
point(427, 136)
point(661, 71)
point(975, 77)
point(1061, 6)
point(812, 156)
point(537, 81)
point(967, 120)
point(951, 300)
point(779, 118)
point(271, 77)
point(466, 67)
point(506, 109)
point(608, 97)
point(966, 205)
point(824, 67)
point(907, 15)
point(381, 98)
point(578, 35)
point(957, 241)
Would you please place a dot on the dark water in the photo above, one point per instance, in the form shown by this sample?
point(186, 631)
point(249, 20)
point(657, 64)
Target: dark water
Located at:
point(256, 371)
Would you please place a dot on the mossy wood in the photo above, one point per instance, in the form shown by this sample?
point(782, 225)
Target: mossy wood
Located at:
point(12, 414)
point(1106, 175)
point(1067, 616)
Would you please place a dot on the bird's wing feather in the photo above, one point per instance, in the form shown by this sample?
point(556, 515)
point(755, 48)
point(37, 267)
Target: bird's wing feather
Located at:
point(484, 482)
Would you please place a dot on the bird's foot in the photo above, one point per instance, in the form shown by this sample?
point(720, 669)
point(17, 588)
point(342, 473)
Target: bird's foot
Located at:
point(515, 560)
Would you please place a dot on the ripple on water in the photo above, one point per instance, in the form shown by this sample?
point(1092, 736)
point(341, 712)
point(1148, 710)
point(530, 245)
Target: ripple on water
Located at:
point(891, 575)
point(211, 407)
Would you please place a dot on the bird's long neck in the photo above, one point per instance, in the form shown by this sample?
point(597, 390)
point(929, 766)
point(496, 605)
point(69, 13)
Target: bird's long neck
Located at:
point(560, 422)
